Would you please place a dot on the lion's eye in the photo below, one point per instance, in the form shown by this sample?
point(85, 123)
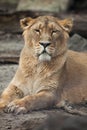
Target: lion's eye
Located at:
point(55, 31)
point(37, 30)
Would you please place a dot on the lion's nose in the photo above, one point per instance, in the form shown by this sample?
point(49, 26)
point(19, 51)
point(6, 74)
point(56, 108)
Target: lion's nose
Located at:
point(44, 44)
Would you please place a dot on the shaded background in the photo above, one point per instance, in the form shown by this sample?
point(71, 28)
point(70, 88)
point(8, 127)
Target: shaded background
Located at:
point(11, 11)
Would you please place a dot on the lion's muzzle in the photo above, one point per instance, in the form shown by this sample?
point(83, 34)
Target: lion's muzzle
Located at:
point(44, 55)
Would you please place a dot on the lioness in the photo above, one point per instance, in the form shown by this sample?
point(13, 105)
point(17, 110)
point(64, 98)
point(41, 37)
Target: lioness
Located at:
point(48, 74)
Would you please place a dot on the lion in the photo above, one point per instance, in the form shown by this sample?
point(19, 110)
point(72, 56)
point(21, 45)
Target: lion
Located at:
point(49, 74)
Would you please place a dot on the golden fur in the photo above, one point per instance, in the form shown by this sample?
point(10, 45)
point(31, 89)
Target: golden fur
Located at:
point(48, 74)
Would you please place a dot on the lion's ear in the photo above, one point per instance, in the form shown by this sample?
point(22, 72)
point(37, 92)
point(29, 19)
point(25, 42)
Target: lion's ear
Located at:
point(25, 22)
point(66, 24)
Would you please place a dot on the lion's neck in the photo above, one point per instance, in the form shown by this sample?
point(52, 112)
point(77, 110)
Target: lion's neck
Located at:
point(30, 65)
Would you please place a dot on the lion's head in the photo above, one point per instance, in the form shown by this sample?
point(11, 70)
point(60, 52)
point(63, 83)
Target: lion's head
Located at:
point(46, 36)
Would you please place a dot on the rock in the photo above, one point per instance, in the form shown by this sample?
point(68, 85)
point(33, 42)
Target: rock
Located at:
point(29, 121)
point(6, 74)
point(10, 48)
point(77, 43)
point(46, 5)
point(79, 5)
point(42, 120)
point(8, 5)
point(62, 122)
point(80, 24)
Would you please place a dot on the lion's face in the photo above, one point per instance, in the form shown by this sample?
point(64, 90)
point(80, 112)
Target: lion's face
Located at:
point(46, 36)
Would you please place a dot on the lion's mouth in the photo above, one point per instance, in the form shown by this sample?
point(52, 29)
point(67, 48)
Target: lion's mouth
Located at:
point(44, 52)
point(44, 56)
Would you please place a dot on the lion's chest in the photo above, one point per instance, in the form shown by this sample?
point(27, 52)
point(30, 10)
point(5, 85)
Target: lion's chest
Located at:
point(40, 79)
point(32, 85)
point(37, 82)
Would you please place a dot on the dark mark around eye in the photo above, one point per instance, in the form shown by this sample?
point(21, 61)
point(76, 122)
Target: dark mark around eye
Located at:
point(37, 30)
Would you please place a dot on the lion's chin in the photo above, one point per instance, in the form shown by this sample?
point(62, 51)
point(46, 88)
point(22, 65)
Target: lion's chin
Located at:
point(44, 57)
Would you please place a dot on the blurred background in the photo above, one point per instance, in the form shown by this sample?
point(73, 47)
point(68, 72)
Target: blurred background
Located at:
point(11, 41)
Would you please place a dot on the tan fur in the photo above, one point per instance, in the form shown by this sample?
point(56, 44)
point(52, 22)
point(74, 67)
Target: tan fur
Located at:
point(47, 79)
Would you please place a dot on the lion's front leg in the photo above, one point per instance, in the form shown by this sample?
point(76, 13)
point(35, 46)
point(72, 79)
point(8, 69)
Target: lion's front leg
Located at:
point(41, 100)
point(9, 94)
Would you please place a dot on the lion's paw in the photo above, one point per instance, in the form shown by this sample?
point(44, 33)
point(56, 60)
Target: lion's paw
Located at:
point(15, 108)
